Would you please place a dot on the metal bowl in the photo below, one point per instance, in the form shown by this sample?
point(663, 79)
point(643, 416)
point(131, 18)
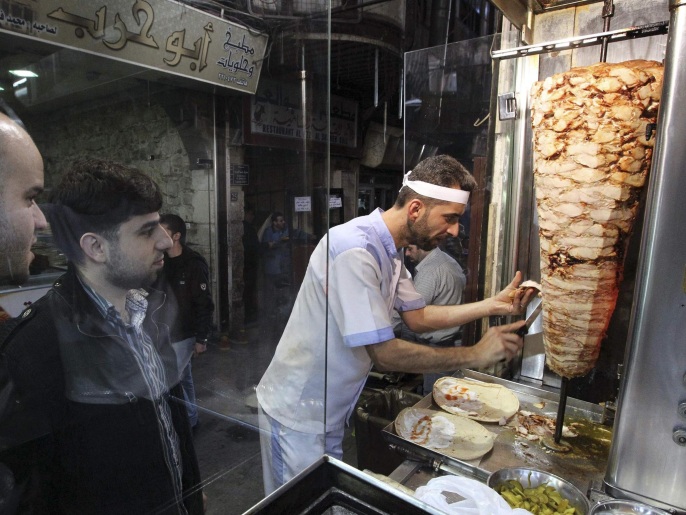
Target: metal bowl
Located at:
point(536, 478)
point(624, 507)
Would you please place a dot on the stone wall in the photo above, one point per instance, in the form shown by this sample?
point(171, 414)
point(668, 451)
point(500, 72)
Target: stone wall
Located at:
point(159, 134)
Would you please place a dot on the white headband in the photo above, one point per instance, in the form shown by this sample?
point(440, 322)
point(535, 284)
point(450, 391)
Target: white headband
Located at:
point(434, 191)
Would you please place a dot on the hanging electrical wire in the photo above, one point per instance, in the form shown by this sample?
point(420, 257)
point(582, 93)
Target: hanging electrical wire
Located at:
point(234, 13)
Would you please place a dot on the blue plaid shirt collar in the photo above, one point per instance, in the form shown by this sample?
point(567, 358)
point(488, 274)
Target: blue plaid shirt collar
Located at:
point(136, 305)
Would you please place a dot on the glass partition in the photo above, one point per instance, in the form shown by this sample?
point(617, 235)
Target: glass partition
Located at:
point(249, 175)
point(448, 110)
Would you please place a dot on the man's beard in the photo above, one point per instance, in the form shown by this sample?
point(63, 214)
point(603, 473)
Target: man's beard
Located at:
point(124, 274)
point(419, 234)
point(14, 257)
point(14, 267)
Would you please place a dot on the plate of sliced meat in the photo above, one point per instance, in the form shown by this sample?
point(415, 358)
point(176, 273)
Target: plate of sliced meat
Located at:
point(448, 434)
point(485, 402)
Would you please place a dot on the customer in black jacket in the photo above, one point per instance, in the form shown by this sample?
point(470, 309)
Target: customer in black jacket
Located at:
point(21, 181)
point(251, 265)
point(90, 422)
point(187, 274)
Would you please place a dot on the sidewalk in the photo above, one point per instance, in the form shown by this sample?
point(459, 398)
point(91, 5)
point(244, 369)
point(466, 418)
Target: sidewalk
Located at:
point(226, 440)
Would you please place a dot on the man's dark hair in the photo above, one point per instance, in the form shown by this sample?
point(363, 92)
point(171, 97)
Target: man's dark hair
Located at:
point(98, 196)
point(175, 224)
point(441, 170)
point(275, 215)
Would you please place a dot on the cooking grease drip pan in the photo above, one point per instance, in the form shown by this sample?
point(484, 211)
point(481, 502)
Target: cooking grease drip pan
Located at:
point(585, 463)
point(330, 487)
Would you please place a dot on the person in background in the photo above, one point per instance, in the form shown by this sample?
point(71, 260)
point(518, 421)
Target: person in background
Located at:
point(188, 275)
point(276, 244)
point(277, 255)
point(440, 280)
point(341, 324)
point(251, 264)
point(21, 180)
point(90, 422)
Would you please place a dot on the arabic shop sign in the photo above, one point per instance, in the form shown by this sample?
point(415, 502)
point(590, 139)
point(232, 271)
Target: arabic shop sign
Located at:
point(275, 110)
point(158, 34)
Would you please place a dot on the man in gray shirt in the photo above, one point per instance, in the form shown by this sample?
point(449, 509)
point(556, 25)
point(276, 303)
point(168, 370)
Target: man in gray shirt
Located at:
point(440, 280)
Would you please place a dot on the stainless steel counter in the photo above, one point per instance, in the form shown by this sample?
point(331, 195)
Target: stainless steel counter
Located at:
point(329, 486)
point(584, 465)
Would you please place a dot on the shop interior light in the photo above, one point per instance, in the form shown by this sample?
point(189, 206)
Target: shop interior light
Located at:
point(19, 82)
point(23, 73)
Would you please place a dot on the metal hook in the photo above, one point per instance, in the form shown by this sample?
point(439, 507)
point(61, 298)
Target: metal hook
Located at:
point(478, 121)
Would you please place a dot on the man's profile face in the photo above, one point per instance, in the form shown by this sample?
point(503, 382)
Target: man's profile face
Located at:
point(21, 174)
point(137, 254)
point(435, 225)
point(413, 253)
point(279, 224)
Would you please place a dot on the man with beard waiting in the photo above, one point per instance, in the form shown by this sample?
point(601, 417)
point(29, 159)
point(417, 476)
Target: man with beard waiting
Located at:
point(95, 416)
point(21, 177)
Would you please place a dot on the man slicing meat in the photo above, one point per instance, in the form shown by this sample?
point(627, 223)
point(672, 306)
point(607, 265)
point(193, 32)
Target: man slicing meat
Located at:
point(356, 276)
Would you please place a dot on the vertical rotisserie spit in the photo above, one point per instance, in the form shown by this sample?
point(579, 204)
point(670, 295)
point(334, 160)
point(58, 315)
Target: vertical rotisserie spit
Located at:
point(592, 148)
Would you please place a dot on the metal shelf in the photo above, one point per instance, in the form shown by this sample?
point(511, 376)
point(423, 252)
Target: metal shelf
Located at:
point(612, 36)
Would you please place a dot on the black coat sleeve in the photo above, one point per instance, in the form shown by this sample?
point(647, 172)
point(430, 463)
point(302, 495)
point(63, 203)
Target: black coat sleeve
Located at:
point(201, 298)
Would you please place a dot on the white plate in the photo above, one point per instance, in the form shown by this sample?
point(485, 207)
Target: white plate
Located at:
point(448, 434)
point(485, 402)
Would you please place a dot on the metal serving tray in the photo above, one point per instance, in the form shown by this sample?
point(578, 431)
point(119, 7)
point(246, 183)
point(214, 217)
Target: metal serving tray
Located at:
point(585, 463)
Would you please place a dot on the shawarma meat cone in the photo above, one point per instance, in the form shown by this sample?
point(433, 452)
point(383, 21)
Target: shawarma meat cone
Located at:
point(591, 160)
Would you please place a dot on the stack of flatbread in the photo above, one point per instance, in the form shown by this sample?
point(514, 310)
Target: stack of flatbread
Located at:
point(455, 430)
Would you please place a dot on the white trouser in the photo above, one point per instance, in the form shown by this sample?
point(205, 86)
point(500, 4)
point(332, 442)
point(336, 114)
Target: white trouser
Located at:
point(286, 452)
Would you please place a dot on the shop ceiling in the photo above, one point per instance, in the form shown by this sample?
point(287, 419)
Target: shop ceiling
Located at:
point(365, 63)
point(365, 58)
point(519, 11)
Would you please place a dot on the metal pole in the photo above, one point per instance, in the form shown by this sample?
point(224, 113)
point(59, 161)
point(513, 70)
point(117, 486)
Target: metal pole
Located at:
point(561, 410)
point(646, 456)
point(608, 12)
point(376, 77)
point(555, 444)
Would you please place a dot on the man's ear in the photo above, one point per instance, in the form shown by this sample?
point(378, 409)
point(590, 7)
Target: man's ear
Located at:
point(414, 209)
point(176, 236)
point(93, 246)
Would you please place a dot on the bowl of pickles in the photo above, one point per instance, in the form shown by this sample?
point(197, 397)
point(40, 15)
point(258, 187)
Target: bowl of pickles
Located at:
point(538, 492)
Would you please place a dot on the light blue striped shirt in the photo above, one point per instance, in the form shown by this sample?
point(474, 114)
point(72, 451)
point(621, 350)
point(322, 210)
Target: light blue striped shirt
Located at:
point(151, 369)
